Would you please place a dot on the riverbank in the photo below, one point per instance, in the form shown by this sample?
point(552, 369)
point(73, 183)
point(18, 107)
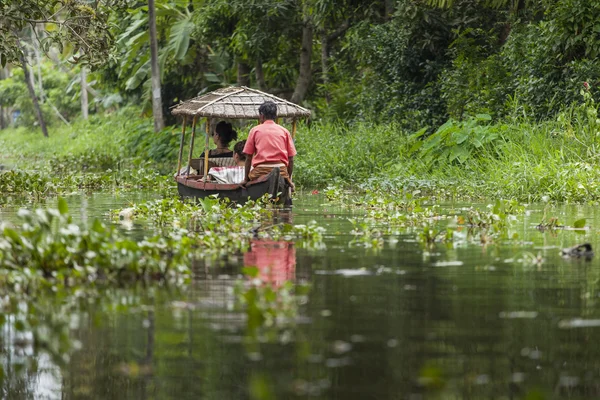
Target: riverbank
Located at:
point(472, 159)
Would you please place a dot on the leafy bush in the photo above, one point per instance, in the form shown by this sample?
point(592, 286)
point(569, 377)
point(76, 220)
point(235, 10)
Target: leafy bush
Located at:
point(48, 248)
point(458, 141)
point(328, 152)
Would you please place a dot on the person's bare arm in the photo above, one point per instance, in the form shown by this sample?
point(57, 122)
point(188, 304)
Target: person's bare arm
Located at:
point(290, 166)
point(247, 167)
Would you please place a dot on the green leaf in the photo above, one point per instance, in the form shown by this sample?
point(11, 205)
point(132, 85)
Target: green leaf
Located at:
point(461, 136)
point(12, 234)
point(209, 76)
point(179, 40)
point(252, 272)
point(97, 226)
point(579, 224)
point(418, 134)
point(483, 117)
point(63, 208)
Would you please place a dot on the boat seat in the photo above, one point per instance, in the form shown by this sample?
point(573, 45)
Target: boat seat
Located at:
point(198, 163)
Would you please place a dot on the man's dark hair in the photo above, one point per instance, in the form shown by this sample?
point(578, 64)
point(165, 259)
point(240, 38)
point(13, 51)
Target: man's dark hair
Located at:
point(268, 109)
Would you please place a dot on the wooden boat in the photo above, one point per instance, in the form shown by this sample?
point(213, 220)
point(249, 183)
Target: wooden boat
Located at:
point(230, 103)
point(273, 184)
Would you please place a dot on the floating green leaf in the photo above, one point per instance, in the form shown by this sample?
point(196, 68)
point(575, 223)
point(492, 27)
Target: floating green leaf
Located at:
point(63, 208)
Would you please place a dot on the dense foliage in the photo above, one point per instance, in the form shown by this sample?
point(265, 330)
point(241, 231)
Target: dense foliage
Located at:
point(472, 98)
point(407, 61)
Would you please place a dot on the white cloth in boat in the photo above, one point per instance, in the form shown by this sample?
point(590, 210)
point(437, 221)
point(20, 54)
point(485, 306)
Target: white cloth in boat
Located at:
point(228, 175)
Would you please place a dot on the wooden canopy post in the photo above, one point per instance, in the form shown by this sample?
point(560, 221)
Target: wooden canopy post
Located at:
point(181, 145)
point(206, 144)
point(191, 145)
point(294, 121)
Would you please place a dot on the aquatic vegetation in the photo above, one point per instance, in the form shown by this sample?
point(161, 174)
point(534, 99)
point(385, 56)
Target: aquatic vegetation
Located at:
point(48, 249)
point(41, 183)
point(497, 216)
point(432, 234)
point(551, 224)
point(165, 211)
point(89, 161)
point(311, 231)
point(218, 225)
point(269, 306)
point(366, 234)
point(529, 259)
point(388, 213)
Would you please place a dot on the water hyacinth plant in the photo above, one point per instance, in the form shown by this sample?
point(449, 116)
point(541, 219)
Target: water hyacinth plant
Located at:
point(47, 248)
point(216, 225)
point(269, 307)
point(46, 181)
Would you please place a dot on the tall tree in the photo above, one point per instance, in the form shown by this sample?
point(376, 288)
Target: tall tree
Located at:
point(159, 122)
point(304, 74)
point(82, 25)
point(31, 89)
point(173, 27)
point(84, 93)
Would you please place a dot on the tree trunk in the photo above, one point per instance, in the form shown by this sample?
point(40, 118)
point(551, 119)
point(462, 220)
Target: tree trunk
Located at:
point(260, 75)
point(243, 74)
point(303, 81)
point(84, 93)
point(157, 111)
point(38, 63)
point(389, 8)
point(2, 123)
point(324, 64)
point(34, 99)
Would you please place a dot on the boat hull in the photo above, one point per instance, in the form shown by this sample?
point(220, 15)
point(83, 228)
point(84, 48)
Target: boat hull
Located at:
point(273, 184)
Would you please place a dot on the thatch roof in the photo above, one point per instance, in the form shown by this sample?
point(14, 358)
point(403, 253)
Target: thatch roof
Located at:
point(236, 102)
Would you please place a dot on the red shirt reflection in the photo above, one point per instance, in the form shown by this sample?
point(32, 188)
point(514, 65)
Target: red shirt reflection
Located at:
point(275, 260)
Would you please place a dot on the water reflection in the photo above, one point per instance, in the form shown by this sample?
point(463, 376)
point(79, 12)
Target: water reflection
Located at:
point(275, 260)
point(461, 322)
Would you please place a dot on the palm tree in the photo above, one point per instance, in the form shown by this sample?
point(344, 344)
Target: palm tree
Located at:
point(159, 122)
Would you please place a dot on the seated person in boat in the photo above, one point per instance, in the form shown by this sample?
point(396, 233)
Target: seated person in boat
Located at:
point(231, 175)
point(269, 145)
point(223, 135)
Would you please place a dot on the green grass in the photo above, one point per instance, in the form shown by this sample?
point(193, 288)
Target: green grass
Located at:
point(549, 161)
point(476, 158)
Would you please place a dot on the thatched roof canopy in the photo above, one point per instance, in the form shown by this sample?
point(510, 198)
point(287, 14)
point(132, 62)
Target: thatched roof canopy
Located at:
point(236, 102)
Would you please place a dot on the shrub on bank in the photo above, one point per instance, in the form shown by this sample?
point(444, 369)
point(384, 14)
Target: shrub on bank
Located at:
point(478, 157)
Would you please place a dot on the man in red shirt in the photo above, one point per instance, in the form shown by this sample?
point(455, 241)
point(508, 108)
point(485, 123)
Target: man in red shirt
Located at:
point(269, 145)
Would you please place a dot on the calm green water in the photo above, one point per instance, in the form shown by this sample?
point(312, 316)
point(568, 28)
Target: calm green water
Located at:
point(404, 322)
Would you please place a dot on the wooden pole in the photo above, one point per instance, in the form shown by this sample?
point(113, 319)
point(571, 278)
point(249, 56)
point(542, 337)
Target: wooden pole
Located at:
point(181, 145)
point(191, 145)
point(206, 143)
point(294, 128)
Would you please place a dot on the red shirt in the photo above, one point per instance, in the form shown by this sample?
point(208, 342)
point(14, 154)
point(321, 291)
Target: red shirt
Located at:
point(270, 143)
